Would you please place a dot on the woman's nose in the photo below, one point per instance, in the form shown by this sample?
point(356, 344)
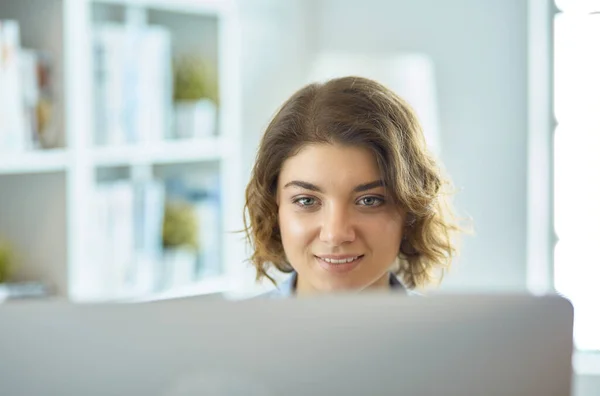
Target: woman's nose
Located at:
point(336, 226)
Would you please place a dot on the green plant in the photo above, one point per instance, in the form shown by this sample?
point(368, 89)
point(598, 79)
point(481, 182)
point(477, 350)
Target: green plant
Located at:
point(193, 80)
point(180, 226)
point(7, 261)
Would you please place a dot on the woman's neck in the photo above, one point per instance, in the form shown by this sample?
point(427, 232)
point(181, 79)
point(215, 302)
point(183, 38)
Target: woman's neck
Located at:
point(304, 288)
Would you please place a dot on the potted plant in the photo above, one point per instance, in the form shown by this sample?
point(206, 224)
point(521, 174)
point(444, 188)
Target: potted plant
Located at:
point(180, 243)
point(7, 262)
point(195, 98)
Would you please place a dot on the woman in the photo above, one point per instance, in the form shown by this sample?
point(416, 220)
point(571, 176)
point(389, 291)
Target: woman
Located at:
point(345, 196)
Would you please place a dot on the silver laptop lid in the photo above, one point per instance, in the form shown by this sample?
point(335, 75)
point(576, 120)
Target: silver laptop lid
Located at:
point(344, 345)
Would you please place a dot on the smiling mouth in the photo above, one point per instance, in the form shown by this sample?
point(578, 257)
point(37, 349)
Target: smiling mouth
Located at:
point(340, 260)
point(339, 264)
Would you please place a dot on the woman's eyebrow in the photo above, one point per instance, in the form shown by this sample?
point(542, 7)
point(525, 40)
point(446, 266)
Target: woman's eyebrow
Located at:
point(368, 186)
point(303, 184)
point(309, 186)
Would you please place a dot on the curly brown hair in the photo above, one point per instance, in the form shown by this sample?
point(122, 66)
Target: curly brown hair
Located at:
point(356, 111)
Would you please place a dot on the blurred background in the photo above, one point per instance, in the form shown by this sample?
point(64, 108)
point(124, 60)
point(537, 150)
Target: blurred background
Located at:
point(128, 129)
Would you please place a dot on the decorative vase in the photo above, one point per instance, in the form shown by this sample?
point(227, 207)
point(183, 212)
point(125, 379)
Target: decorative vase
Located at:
point(179, 267)
point(194, 119)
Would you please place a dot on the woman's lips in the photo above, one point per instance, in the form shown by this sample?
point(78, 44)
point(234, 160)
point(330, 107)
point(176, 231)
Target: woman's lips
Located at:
point(339, 264)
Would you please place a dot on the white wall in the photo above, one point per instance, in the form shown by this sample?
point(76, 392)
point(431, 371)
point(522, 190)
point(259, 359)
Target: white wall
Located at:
point(275, 55)
point(586, 385)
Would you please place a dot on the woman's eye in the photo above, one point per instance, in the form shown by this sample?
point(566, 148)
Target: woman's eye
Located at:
point(305, 201)
point(370, 201)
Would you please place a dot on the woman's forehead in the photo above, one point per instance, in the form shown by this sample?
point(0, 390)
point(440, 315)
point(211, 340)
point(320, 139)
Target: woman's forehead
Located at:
point(331, 165)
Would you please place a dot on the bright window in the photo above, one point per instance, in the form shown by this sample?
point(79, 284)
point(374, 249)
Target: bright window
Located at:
point(577, 164)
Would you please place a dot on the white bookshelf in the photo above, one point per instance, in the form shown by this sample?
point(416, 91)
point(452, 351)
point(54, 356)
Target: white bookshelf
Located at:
point(165, 153)
point(218, 285)
point(46, 161)
point(67, 177)
point(203, 7)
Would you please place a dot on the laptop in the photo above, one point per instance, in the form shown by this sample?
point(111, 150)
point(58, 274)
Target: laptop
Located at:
point(331, 345)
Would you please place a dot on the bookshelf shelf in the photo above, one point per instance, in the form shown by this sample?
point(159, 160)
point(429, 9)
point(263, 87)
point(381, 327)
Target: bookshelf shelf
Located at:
point(205, 287)
point(42, 161)
point(169, 152)
point(203, 7)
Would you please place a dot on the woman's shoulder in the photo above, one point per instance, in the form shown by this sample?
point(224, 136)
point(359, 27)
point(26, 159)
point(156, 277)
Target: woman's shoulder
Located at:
point(396, 284)
point(283, 289)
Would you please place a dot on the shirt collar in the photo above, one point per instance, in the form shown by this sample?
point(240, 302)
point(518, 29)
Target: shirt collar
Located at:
point(287, 288)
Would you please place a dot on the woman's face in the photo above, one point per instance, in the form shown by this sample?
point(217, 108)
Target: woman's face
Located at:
point(339, 227)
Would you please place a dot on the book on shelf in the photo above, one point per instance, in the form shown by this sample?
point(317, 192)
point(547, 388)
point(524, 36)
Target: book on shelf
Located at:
point(23, 290)
point(132, 83)
point(12, 128)
point(128, 248)
point(26, 96)
point(125, 239)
